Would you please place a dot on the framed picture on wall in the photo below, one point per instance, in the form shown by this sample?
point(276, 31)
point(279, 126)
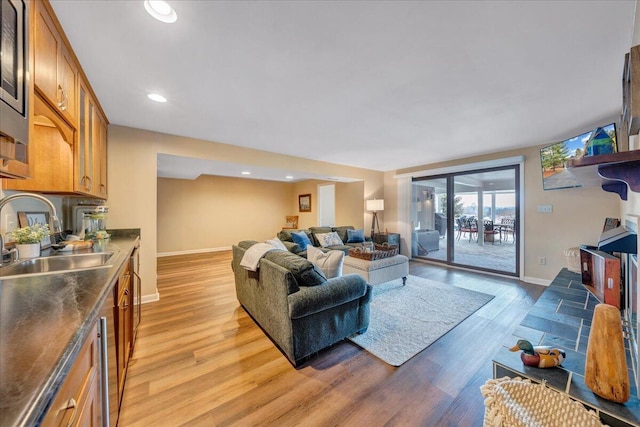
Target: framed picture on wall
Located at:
point(27, 219)
point(304, 203)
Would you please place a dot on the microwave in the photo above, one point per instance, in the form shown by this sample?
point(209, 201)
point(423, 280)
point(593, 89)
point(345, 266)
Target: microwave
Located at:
point(14, 120)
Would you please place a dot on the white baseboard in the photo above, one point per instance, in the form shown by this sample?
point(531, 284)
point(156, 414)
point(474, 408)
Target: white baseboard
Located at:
point(151, 297)
point(193, 251)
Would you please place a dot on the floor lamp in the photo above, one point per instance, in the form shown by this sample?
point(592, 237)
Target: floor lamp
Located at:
point(374, 206)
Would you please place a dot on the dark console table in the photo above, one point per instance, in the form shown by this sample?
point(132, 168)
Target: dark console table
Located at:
point(562, 318)
point(390, 238)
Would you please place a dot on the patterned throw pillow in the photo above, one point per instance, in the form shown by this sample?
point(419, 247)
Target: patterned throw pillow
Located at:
point(329, 239)
point(355, 236)
point(330, 262)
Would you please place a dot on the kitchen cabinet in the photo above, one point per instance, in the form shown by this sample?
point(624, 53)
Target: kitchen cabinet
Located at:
point(124, 325)
point(68, 143)
point(77, 402)
point(90, 163)
point(100, 157)
point(53, 156)
point(55, 73)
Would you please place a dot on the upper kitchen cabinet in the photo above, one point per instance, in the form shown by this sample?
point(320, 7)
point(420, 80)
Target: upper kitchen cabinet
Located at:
point(90, 165)
point(68, 135)
point(55, 73)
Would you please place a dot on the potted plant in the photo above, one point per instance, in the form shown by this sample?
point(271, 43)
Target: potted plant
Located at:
point(27, 239)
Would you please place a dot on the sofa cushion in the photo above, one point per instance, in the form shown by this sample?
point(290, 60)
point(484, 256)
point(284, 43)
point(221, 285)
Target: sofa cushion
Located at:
point(301, 238)
point(292, 247)
point(329, 262)
point(318, 230)
point(246, 244)
point(342, 231)
point(355, 236)
point(285, 235)
point(329, 239)
point(304, 271)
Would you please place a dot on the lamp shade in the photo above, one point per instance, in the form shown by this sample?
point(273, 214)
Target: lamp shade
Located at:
point(375, 205)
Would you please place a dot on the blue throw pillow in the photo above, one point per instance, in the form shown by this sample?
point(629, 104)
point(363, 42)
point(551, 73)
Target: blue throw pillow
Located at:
point(355, 236)
point(301, 238)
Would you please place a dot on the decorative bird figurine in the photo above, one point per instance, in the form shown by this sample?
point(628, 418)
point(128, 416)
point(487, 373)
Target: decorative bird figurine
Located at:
point(539, 356)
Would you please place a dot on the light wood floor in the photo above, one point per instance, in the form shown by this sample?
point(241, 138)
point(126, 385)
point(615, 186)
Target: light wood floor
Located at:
point(201, 361)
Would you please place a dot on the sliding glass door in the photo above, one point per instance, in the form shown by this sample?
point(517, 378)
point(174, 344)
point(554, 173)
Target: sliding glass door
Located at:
point(468, 219)
point(429, 210)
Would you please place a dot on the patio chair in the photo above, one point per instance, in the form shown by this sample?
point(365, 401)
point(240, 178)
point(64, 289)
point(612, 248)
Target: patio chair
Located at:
point(508, 226)
point(468, 225)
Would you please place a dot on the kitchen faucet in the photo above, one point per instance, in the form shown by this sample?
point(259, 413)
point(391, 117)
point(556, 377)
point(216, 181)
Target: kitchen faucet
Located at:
point(54, 216)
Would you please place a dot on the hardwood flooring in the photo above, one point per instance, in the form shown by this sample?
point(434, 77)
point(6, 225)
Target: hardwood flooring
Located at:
point(200, 360)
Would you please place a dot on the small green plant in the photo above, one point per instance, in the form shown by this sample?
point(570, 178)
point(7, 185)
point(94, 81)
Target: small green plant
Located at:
point(30, 234)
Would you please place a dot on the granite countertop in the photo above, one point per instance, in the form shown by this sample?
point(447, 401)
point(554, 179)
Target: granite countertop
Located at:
point(44, 320)
point(562, 318)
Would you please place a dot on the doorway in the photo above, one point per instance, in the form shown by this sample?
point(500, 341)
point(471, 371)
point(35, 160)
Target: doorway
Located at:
point(468, 219)
point(326, 205)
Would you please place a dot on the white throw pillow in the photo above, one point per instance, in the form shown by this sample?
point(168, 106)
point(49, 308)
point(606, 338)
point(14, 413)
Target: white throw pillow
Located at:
point(330, 262)
point(276, 243)
point(329, 239)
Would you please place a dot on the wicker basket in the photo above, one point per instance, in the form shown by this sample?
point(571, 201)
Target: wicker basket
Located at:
point(380, 251)
point(573, 259)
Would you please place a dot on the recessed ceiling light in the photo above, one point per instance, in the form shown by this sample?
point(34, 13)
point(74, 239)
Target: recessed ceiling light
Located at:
point(245, 173)
point(161, 11)
point(288, 177)
point(157, 97)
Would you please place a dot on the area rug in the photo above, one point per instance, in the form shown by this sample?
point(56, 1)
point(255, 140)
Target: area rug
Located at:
point(407, 319)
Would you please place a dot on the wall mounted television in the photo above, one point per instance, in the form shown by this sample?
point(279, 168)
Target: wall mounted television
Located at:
point(601, 140)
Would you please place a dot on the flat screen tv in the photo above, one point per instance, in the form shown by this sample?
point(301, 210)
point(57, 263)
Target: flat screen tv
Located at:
point(601, 140)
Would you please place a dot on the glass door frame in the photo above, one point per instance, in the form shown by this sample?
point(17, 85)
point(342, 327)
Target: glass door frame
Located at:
point(450, 177)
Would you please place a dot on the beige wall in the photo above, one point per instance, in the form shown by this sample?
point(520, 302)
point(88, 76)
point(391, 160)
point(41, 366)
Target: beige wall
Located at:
point(350, 204)
point(577, 218)
point(133, 181)
point(215, 212)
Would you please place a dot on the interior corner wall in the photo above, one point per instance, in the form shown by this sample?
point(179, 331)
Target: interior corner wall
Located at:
point(132, 170)
point(215, 212)
point(577, 217)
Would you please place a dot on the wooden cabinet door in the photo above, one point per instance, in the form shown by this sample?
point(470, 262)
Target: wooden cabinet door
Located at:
point(46, 53)
point(68, 84)
point(55, 71)
point(124, 327)
point(100, 156)
point(83, 163)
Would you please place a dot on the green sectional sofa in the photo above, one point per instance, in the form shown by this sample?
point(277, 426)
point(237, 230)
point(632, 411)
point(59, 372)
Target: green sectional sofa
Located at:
point(312, 232)
point(296, 306)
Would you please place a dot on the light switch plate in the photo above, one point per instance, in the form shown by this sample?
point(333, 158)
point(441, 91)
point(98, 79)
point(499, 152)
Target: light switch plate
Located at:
point(545, 208)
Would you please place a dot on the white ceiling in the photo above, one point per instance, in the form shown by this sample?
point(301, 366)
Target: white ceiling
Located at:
point(380, 85)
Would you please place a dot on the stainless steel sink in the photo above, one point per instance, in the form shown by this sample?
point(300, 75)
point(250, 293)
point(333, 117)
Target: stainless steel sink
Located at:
point(58, 264)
